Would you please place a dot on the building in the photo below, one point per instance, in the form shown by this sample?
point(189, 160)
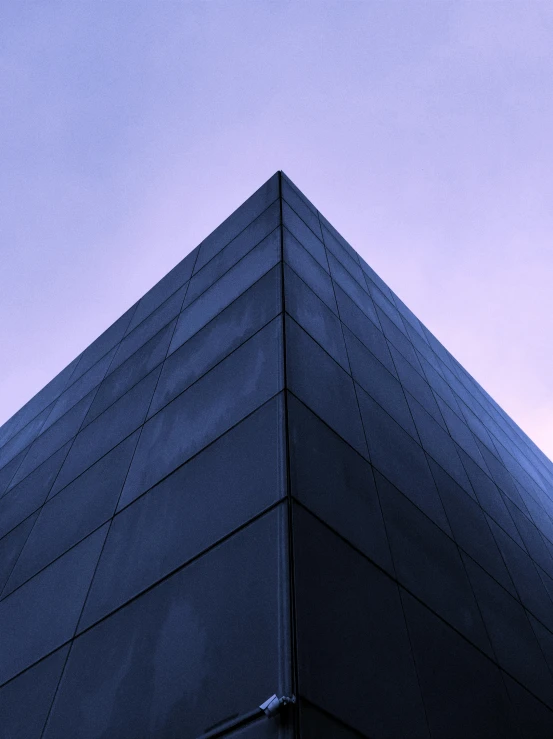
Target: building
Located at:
point(268, 480)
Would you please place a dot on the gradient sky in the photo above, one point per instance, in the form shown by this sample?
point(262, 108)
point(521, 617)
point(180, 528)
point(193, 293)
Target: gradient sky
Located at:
point(422, 130)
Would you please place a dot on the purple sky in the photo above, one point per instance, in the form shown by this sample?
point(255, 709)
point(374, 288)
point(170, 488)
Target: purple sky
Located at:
point(422, 130)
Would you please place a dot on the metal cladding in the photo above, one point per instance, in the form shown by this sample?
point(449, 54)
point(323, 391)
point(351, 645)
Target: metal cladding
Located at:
point(266, 503)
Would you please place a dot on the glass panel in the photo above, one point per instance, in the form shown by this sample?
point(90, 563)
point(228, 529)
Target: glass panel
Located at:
point(365, 330)
point(238, 279)
point(54, 438)
point(30, 494)
point(37, 404)
point(384, 304)
point(168, 285)
point(539, 516)
point(416, 386)
point(203, 646)
point(545, 640)
point(80, 388)
point(400, 459)
point(418, 341)
point(224, 396)
point(304, 209)
point(316, 725)
point(304, 235)
point(262, 729)
point(309, 270)
point(533, 540)
point(238, 221)
point(428, 564)
point(103, 344)
point(334, 482)
point(461, 434)
point(351, 636)
point(24, 437)
point(316, 379)
point(43, 613)
point(489, 497)
point(440, 386)
point(7, 473)
point(398, 339)
point(11, 546)
point(371, 274)
point(476, 426)
point(513, 640)
point(359, 296)
point(338, 236)
point(535, 719)
point(106, 431)
point(234, 325)
point(25, 701)
point(439, 445)
point(313, 315)
point(470, 527)
point(221, 488)
point(149, 328)
point(528, 583)
point(411, 321)
point(233, 252)
point(298, 192)
point(77, 510)
point(499, 474)
point(379, 383)
point(510, 471)
point(463, 691)
point(131, 371)
point(348, 262)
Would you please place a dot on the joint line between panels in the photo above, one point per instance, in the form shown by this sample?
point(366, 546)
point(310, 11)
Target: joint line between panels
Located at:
point(291, 580)
point(110, 522)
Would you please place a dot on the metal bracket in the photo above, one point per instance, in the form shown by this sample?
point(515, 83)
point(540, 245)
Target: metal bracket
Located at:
point(273, 705)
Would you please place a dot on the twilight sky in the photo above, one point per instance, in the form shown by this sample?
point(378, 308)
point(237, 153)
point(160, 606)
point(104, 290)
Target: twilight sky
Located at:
point(422, 130)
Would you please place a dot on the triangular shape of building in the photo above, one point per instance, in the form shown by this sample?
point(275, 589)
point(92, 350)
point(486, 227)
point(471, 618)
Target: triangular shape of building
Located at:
point(268, 504)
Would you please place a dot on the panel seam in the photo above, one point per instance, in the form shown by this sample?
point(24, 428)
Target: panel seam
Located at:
point(412, 655)
point(110, 523)
point(291, 578)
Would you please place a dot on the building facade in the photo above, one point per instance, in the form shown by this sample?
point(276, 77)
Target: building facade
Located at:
point(267, 503)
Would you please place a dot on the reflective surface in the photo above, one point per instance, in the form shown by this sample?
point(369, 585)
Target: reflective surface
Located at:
point(267, 470)
point(160, 666)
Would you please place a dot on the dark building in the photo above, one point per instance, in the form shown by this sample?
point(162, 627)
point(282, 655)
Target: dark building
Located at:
point(268, 478)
